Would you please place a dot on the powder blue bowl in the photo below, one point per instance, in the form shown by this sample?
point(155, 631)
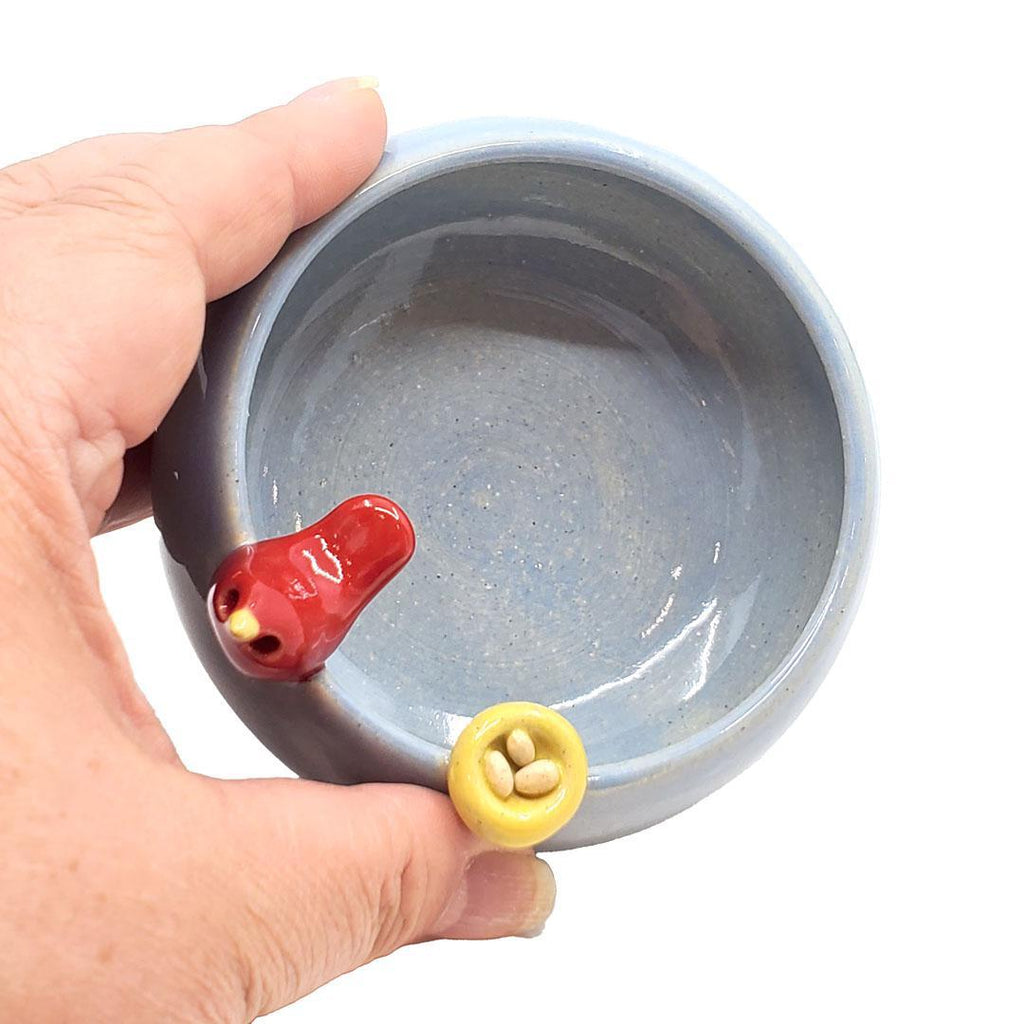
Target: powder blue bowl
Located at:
point(627, 426)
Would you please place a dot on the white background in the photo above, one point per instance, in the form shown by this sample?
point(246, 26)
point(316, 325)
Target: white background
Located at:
point(868, 867)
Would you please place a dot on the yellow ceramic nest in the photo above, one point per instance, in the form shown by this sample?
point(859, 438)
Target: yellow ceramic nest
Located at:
point(516, 820)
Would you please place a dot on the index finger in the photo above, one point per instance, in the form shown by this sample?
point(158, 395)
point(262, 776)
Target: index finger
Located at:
point(236, 190)
point(109, 251)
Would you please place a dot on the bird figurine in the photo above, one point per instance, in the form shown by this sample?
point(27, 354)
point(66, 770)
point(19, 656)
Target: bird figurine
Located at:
point(280, 607)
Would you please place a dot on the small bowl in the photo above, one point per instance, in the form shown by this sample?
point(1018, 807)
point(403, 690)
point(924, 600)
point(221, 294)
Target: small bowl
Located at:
point(627, 426)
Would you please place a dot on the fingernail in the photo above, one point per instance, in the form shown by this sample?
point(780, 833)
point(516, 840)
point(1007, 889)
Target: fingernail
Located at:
point(328, 90)
point(501, 894)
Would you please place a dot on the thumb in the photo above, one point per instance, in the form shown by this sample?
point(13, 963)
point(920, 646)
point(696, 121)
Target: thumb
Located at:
point(321, 879)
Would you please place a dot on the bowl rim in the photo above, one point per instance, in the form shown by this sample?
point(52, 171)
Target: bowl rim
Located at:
point(414, 157)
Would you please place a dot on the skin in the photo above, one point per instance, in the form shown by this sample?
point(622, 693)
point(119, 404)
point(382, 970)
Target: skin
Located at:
point(131, 888)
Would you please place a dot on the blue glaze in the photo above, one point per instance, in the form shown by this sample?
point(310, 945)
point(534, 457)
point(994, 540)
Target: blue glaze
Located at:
point(627, 427)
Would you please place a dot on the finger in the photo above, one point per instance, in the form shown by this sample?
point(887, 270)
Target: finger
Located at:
point(237, 191)
point(323, 879)
point(133, 501)
point(103, 287)
point(41, 179)
point(232, 193)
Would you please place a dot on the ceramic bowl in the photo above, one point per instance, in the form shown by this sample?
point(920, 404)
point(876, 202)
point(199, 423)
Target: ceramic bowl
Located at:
point(626, 424)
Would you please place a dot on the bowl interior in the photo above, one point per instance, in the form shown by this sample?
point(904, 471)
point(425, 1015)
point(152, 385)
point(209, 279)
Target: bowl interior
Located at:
point(611, 430)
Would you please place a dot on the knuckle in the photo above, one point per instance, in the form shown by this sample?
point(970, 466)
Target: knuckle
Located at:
point(203, 995)
point(277, 191)
point(398, 905)
point(269, 961)
point(119, 197)
point(126, 209)
point(25, 185)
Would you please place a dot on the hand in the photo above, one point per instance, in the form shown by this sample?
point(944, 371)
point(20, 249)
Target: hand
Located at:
point(130, 888)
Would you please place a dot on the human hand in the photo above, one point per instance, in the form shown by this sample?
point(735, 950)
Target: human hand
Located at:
point(132, 889)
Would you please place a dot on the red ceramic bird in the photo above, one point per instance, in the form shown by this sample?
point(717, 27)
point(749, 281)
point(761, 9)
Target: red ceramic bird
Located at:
point(280, 607)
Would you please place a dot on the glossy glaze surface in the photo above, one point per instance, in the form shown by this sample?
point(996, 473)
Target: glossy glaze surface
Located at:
point(626, 423)
point(281, 606)
point(627, 484)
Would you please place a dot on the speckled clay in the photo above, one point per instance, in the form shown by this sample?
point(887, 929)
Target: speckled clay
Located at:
point(625, 423)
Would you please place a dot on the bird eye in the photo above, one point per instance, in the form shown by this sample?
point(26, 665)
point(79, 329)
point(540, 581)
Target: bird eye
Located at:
point(227, 603)
point(265, 645)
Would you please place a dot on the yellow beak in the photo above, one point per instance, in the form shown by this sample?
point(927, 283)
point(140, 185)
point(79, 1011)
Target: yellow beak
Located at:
point(243, 625)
